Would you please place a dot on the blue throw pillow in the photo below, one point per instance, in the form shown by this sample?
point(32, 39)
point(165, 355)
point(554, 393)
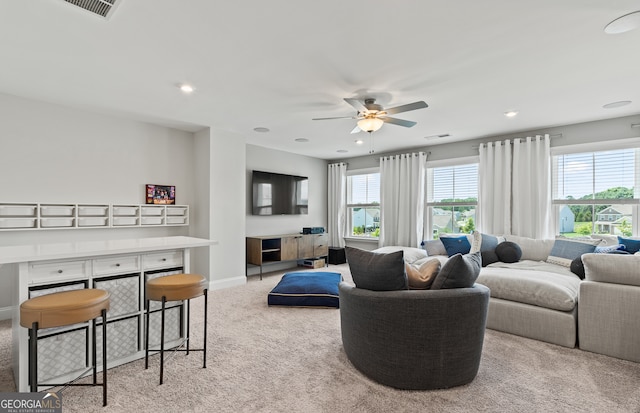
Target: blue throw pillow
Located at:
point(566, 250)
point(632, 245)
point(456, 245)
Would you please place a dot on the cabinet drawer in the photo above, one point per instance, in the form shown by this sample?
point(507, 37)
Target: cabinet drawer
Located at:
point(152, 211)
point(122, 338)
point(56, 222)
point(116, 265)
point(17, 210)
point(181, 211)
point(176, 220)
point(151, 220)
point(125, 294)
point(56, 210)
point(125, 210)
point(92, 222)
point(164, 259)
point(62, 354)
point(122, 221)
point(57, 271)
point(17, 222)
point(92, 211)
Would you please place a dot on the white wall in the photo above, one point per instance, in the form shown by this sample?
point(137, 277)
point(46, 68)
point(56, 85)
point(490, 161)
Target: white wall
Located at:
point(50, 153)
point(263, 159)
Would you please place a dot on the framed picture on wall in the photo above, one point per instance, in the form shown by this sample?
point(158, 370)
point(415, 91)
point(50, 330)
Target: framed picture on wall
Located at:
point(160, 194)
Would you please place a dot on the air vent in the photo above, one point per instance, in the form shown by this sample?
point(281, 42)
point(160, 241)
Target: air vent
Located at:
point(103, 8)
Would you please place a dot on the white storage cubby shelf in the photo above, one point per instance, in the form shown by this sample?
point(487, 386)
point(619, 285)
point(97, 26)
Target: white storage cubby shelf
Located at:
point(30, 216)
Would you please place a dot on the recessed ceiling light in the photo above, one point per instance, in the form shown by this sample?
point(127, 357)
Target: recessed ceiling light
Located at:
point(616, 104)
point(511, 113)
point(342, 151)
point(301, 140)
point(624, 23)
point(261, 129)
point(359, 141)
point(186, 88)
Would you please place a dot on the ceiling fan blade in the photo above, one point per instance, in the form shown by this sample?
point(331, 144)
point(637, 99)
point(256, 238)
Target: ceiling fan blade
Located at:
point(359, 106)
point(338, 117)
point(399, 122)
point(406, 108)
point(356, 130)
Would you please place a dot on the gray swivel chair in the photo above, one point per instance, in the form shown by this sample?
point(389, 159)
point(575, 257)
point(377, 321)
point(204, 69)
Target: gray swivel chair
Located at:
point(414, 339)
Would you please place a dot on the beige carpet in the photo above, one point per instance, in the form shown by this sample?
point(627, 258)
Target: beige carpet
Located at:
point(278, 359)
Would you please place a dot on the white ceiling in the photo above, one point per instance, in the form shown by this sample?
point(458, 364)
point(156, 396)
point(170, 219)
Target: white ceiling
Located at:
point(280, 63)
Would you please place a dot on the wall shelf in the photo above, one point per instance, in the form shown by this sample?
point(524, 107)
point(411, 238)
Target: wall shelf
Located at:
point(41, 216)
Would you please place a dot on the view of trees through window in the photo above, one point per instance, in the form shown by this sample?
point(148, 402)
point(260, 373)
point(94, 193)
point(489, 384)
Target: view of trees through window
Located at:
point(596, 192)
point(363, 205)
point(452, 198)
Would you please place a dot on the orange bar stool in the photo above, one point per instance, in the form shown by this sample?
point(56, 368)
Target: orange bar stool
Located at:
point(174, 288)
point(63, 309)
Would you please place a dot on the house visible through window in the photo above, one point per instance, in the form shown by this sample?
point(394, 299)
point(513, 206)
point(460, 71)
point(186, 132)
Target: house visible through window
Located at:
point(452, 199)
point(597, 192)
point(363, 205)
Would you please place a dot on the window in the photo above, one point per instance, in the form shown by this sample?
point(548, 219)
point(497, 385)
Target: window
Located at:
point(597, 192)
point(452, 199)
point(363, 205)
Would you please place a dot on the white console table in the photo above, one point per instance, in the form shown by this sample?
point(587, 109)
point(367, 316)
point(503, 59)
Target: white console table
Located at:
point(119, 266)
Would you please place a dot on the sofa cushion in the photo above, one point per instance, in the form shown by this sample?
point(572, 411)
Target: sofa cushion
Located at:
point(532, 249)
point(411, 255)
point(532, 282)
point(509, 252)
point(377, 272)
point(612, 268)
point(456, 245)
point(420, 277)
point(460, 271)
point(566, 250)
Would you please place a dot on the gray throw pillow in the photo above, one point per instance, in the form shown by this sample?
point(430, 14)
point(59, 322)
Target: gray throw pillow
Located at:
point(460, 271)
point(377, 272)
point(434, 247)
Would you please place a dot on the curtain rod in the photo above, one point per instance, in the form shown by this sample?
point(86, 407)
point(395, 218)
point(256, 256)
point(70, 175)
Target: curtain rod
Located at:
point(556, 135)
point(411, 154)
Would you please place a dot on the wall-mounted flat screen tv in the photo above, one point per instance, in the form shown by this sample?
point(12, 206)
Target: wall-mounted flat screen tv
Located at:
point(279, 194)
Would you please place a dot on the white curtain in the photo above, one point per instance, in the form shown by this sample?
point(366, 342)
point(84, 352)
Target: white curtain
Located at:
point(494, 189)
point(531, 210)
point(402, 183)
point(337, 204)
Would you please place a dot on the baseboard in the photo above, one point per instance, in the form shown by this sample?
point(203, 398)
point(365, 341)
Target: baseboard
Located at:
point(227, 282)
point(6, 313)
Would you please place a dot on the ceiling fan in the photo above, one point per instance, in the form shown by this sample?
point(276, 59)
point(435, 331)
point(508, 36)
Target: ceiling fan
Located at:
point(372, 116)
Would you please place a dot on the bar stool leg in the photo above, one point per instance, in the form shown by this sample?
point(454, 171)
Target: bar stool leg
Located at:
point(146, 339)
point(33, 357)
point(204, 348)
point(104, 357)
point(188, 324)
point(164, 301)
point(94, 356)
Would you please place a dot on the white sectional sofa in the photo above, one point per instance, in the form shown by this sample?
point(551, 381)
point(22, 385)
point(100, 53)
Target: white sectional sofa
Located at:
point(545, 301)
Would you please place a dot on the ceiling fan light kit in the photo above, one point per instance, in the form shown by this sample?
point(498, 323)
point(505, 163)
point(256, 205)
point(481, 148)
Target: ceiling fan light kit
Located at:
point(371, 116)
point(370, 124)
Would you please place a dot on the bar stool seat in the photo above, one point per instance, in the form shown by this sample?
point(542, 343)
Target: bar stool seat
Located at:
point(63, 309)
point(175, 287)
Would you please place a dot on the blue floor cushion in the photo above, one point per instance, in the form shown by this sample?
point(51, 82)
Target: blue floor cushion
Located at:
point(307, 289)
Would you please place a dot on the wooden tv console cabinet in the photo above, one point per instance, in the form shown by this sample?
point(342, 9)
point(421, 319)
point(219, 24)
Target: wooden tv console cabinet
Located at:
point(278, 248)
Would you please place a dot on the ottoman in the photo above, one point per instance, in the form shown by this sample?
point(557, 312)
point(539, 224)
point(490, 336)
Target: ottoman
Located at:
point(306, 289)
